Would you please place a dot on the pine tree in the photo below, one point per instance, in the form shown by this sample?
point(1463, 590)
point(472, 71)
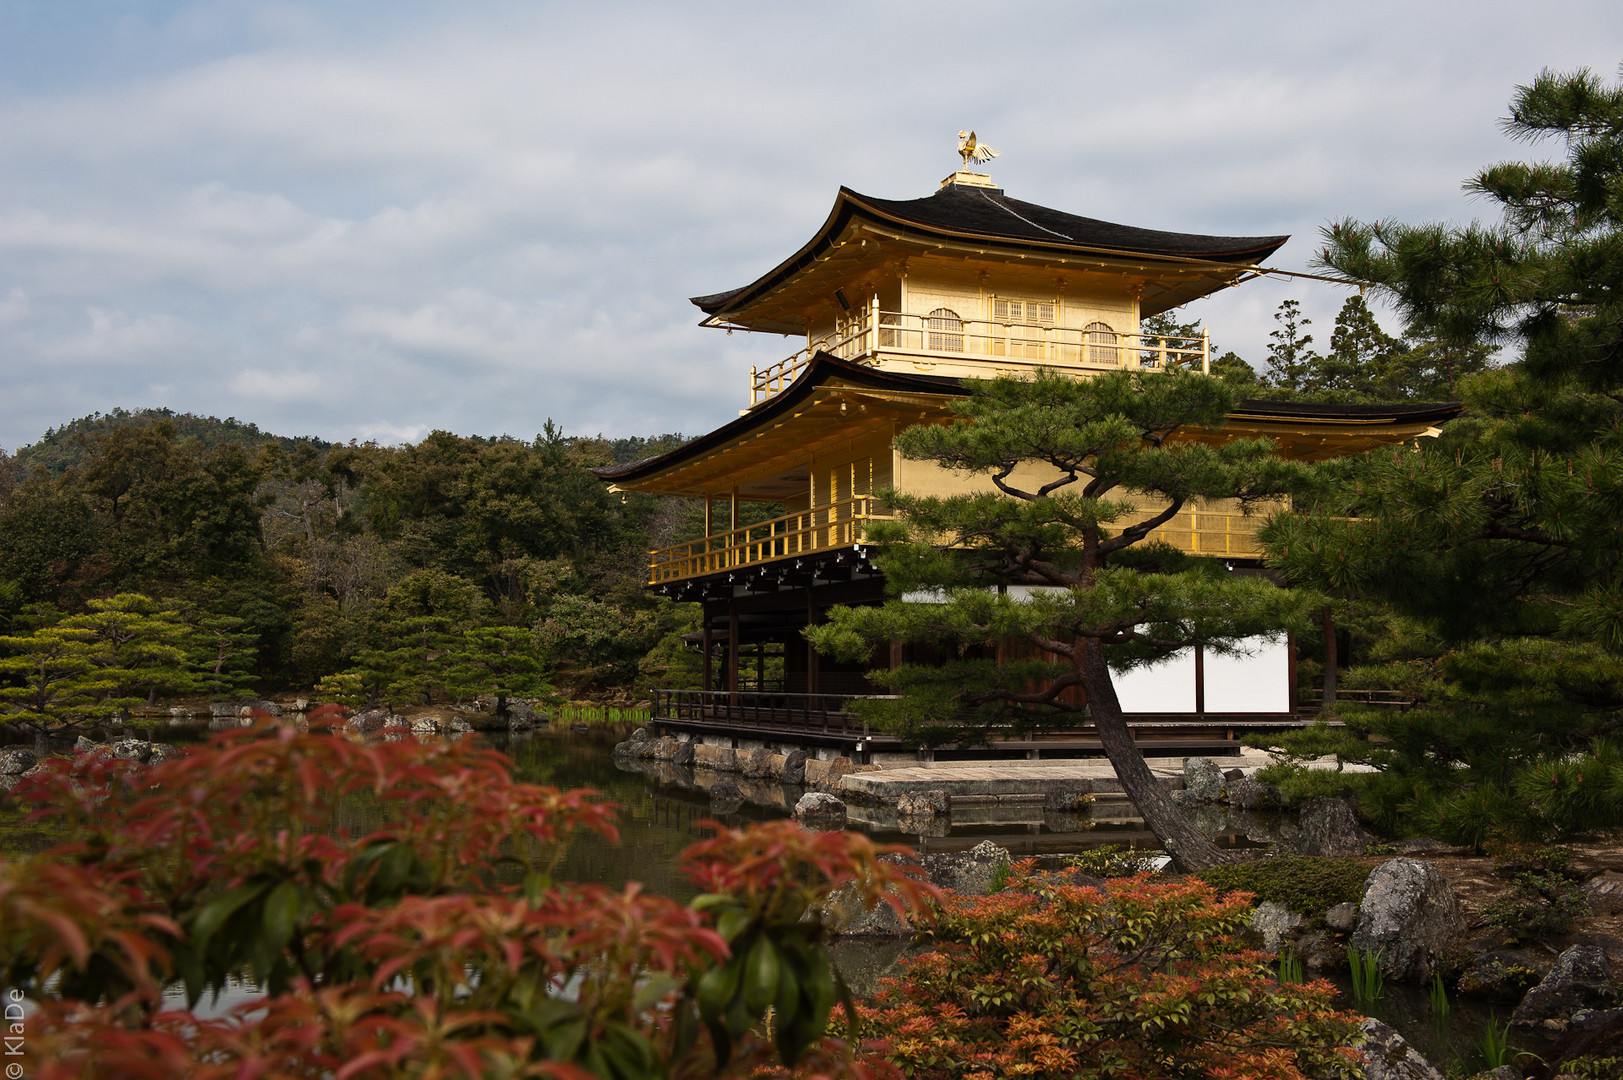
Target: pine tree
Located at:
point(1360, 364)
point(1063, 459)
point(1290, 356)
point(1501, 536)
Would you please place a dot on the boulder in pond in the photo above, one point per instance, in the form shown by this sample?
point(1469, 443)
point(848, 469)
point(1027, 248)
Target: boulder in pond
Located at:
point(1581, 979)
point(926, 804)
point(820, 810)
point(970, 872)
point(1203, 779)
point(1388, 1055)
point(726, 796)
point(1409, 916)
point(1329, 827)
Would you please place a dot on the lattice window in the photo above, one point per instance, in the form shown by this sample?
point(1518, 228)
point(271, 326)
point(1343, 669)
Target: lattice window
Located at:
point(1101, 343)
point(1030, 312)
point(946, 331)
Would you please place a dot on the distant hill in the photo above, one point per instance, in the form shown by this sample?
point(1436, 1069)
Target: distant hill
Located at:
point(59, 449)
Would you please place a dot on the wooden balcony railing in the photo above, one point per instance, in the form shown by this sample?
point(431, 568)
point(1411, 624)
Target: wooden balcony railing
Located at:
point(1220, 534)
point(1017, 345)
point(822, 528)
point(1205, 532)
point(775, 713)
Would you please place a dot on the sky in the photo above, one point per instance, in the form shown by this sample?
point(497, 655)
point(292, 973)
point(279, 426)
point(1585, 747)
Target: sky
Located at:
point(373, 219)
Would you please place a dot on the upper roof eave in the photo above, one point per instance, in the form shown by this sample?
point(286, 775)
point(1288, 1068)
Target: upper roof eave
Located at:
point(971, 214)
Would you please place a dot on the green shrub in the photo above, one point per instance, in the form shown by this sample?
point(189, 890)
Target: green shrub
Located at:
point(1306, 884)
point(1512, 859)
point(1541, 904)
point(1297, 785)
point(1112, 861)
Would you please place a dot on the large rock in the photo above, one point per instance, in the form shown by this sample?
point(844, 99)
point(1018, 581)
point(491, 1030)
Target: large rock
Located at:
point(925, 804)
point(259, 708)
point(819, 810)
point(794, 767)
point(1278, 925)
point(372, 721)
point(1410, 917)
point(825, 775)
point(1388, 1056)
point(1067, 798)
point(1249, 794)
point(16, 760)
point(755, 764)
point(726, 796)
point(1203, 779)
point(1581, 979)
point(970, 872)
point(1605, 893)
point(684, 754)
point(1342, 917)
point(719, 758)
point(1502, 974)
point(137, 750)
point(1329, 827)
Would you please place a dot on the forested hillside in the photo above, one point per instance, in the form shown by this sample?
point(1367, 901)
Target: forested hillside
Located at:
point(454, 566)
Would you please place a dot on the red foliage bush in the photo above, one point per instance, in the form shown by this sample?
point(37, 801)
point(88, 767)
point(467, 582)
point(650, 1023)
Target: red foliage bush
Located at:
point(1133, 980)
point(435, 945)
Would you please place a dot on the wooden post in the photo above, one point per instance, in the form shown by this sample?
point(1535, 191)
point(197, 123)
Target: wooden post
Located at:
point(709, 650)
point(811, 652)
point(732, 647)
point(1200, 682)
point(1205, 351)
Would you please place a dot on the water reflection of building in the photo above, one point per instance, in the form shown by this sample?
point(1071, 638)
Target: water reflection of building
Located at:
point(896, 301)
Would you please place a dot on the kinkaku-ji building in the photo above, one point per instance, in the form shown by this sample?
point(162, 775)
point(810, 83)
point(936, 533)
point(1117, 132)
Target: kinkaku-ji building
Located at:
point(896, 302)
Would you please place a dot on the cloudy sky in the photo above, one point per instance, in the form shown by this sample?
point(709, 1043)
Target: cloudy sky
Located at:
point(374, 218)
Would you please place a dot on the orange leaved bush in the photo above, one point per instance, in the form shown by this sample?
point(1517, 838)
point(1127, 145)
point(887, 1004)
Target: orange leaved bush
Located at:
point(1131, 980)
point(395, 901)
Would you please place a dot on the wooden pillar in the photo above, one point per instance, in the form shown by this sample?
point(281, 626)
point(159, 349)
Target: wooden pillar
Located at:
point(732, 646)
point(709, 649)
point(811, 653)
point(1200, 682)
point(732, 520)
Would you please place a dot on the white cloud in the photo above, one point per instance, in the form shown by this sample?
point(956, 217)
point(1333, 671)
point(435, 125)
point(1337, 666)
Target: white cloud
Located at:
point(475, 217)
point(276, 386)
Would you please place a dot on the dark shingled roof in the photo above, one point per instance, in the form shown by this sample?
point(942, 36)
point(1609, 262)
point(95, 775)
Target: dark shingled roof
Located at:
point(986, 213)
point(824, 366)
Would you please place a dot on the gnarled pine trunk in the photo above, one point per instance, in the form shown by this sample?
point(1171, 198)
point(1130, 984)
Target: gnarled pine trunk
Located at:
point(1188, 847)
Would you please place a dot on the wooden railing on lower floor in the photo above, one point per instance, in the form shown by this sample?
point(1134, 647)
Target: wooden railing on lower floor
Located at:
point(1220, 534)
point(822, 528)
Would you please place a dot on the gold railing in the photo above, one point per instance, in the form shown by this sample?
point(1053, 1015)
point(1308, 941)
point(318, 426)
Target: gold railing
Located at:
point(1219, 534)
point(822, 528)
point(1205, 532)
point(1017, 345)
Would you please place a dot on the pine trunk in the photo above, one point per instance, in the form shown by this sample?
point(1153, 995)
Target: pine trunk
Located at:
point(1331, 661)
point(1189, 849)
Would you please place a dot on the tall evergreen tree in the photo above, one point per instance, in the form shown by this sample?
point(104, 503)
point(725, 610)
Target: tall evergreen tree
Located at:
point(1502, 534)
point(1291, 358)
point(1062, 459)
